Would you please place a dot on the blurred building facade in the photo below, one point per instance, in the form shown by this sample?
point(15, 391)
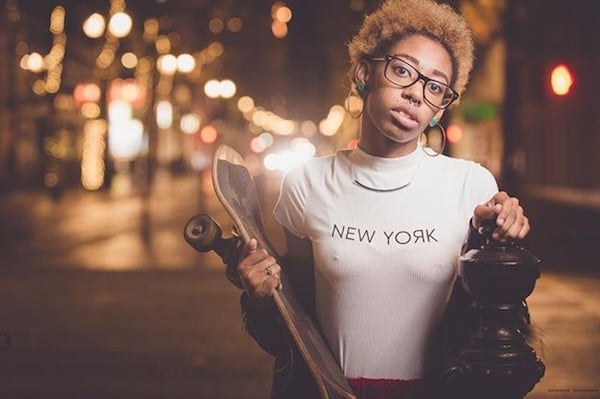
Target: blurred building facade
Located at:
point(282, 63)
point(551, 140)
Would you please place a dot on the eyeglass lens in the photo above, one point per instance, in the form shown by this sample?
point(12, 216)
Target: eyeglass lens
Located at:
point(403, 74)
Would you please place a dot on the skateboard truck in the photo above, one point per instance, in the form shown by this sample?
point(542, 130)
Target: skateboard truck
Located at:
point(204, 234)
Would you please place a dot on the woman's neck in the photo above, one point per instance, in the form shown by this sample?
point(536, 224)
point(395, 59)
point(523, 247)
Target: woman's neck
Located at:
point(380, 146)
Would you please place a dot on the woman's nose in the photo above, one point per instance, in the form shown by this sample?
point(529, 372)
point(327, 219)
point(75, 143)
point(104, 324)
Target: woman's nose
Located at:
point(414, 92)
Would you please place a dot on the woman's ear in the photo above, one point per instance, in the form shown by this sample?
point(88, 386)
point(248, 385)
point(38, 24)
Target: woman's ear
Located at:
point(361, 75)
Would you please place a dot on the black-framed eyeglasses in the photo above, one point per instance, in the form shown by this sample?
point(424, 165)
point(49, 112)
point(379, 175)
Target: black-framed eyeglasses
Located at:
point(402, 74)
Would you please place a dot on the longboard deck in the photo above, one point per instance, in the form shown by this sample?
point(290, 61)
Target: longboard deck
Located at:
point(237, 192)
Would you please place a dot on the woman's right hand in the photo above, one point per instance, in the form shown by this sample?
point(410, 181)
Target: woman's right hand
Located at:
point(259, 272)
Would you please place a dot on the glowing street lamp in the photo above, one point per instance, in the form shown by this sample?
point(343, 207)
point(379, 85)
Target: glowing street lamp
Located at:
point(167, 64)
point(185, 63)
point(225, 88)
point(228, 88)
point(34, 62)
point(94, 26)
point(120, 24)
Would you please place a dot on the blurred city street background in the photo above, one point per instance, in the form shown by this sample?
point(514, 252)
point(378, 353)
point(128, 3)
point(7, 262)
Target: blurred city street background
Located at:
point(102, 298)
point(106, 135)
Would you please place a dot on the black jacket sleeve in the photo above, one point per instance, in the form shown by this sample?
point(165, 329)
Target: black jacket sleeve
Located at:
point(262, 322)
point(261, 319)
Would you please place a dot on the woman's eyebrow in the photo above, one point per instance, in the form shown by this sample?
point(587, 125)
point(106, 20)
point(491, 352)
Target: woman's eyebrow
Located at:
point(415, 62)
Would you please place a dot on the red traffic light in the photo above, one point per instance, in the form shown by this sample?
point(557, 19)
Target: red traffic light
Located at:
point(561, 80)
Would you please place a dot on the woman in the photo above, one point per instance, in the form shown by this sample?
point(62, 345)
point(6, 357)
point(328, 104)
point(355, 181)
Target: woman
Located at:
point(383, 224)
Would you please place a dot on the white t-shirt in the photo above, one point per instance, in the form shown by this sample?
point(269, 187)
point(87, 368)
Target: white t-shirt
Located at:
point(386, 237)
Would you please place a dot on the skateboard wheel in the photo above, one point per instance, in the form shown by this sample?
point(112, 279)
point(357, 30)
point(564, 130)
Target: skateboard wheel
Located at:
point(202, 233)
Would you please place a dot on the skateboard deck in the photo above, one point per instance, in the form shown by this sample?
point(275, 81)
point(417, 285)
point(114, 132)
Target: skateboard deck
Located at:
point(237, 192)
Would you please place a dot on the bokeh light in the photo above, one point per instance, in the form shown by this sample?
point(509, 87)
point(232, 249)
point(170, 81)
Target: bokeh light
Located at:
point(129, 60)
point(279, 29)
point(164, 114)
point(167, 64)
point(454, 133)
point(185, 63)
point(209, 134)
point(216, 25)
point(245, 104)
point(120, 24)
point(235, 24)
point(561, 80)
point(94, 26)
point(190, 123)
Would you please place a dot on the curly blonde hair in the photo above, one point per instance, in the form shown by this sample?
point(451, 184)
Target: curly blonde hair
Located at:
point(396, 19)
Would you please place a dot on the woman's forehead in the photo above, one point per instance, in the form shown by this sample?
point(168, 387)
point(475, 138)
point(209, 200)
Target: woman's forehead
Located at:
point(425, 53)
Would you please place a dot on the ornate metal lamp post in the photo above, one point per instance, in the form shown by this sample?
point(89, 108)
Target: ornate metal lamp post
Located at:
point(496, 362)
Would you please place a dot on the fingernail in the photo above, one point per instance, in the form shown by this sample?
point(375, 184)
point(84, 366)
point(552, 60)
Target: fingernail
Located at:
point(500, 221)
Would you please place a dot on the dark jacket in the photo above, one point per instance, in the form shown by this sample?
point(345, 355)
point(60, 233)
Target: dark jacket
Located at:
point(291, 377)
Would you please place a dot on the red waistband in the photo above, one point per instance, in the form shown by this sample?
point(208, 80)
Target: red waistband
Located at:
point(368, 388)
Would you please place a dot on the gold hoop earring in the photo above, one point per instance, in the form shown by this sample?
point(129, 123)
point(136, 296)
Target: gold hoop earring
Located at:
point(427, 149)
point(354, 104)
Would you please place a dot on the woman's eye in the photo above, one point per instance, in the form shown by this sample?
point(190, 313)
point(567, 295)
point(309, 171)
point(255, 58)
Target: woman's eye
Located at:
point(434, 88)
point(401, 71)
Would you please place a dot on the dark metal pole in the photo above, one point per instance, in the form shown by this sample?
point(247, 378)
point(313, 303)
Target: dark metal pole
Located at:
point(496, 362)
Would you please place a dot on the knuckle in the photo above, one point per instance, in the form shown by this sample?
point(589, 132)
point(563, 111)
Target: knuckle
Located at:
point(242, 267)
point(246, 278)
point(263, 252)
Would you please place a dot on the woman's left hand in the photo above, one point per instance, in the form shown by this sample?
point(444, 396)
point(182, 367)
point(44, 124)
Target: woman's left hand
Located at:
point(511, 222)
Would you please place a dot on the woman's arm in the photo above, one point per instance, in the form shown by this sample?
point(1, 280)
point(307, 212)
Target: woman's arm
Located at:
point(261, 319)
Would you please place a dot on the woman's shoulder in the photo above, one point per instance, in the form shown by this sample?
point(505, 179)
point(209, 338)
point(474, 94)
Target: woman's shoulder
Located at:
point(467, 165)
point(462, 169)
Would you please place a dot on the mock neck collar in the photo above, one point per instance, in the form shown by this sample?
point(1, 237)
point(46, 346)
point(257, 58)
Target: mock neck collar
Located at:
point(384, 174)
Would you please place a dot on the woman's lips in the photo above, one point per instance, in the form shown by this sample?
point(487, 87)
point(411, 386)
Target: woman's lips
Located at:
point(404, 118)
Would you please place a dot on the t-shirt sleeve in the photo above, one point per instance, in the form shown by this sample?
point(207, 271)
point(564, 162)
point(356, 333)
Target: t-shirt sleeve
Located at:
point(480, 187)
point(291, 206)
